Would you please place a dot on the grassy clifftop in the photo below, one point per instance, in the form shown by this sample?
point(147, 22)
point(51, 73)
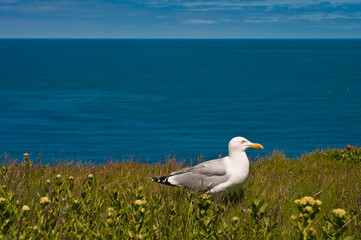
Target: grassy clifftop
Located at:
point(118, 200)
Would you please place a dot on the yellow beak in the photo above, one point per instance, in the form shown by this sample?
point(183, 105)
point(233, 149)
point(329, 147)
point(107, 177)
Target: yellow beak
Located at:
point(256, 145)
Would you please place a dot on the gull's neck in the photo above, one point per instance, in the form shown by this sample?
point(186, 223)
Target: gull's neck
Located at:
point(238, 156)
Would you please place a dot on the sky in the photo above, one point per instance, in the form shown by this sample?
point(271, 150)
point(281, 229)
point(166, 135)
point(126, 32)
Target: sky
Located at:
point(180, 19)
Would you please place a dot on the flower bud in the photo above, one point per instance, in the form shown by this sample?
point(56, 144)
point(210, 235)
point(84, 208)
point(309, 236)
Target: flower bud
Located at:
point(235, 220)
point(26, 156)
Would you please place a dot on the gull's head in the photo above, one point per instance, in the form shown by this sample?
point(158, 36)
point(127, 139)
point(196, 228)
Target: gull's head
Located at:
point(241, 144)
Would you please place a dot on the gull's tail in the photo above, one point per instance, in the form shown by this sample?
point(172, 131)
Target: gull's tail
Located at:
point(162, 180)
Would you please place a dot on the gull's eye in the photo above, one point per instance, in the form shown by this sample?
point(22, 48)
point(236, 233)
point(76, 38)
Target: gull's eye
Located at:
point(243, 141)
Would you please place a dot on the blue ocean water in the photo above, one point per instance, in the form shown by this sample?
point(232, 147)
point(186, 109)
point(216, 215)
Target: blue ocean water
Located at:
point(101, 99)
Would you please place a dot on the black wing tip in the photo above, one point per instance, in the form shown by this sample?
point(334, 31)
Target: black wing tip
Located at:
point(162, 180)
point(155, 179)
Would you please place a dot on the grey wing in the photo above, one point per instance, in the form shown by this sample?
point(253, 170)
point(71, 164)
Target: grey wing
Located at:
point(202, 177)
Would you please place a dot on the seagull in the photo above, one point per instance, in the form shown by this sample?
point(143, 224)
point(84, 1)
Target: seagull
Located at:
point(225, 174)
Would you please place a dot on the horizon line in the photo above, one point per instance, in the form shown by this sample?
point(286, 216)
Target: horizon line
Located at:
point(181, 38)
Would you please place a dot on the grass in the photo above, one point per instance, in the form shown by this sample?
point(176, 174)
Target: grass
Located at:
point(118, 201)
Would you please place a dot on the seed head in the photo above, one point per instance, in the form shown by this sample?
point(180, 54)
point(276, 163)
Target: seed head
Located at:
point(90, 176)
point(58, 176)
point(2, 200)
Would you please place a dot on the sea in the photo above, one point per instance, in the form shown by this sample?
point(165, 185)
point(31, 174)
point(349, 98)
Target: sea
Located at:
point(109, 100)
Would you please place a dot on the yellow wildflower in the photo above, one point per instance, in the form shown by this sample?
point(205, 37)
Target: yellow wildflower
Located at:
point(140, 202)
point(58, 176)
point(312, 231)
point(339, 212)
point(44, 200)
point(90, 176)
point(308, 200)
point(25, 208)
point(303, 202)
point(308, 209)
point(205, 196)
point(235, 219)
point(2, 200)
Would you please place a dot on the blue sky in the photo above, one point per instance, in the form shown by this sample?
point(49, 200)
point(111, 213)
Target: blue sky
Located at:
point(180, 19)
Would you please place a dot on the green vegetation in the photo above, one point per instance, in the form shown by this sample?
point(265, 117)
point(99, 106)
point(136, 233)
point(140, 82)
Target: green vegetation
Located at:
point(317, 196)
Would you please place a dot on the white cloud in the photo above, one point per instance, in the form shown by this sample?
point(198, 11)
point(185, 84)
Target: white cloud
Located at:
point(200, 21)
point(9, 1)
point(265, 20)
point(315, 17)
point(237, 5)
point(320, 16)
point(344, 27)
